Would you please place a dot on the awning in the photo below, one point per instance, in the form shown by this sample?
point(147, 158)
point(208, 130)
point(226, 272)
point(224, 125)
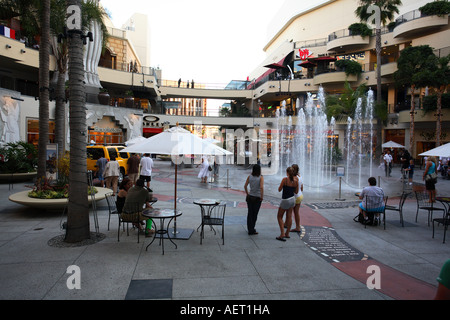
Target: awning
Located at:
point(325, 58)
point(307, 64)
point(152, 130)
point(276, 66)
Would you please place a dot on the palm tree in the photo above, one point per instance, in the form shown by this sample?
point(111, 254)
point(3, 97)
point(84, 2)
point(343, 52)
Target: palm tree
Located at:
point(44, 87)
point(35, 20)
point(387, 10)
point(91, 12)
point(78, 207)
point(437, 75)
point(412, 64)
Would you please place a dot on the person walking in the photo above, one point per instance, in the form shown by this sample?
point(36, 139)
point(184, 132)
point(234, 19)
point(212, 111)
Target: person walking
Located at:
point(254, 197)
point(298, 198)
point(204, 170)
point(430, 182)
point(289, 187)
point(388, 163)
point(146, 170)
point(112, 172)
point(100, 164)
point(133, 168)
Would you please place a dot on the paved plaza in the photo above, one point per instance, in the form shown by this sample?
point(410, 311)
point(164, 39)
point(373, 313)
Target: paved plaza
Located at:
point(331, 259)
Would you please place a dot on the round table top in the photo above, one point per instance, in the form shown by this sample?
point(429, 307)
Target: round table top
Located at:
point(207, 202)
point(444, 199)
point(161, 213)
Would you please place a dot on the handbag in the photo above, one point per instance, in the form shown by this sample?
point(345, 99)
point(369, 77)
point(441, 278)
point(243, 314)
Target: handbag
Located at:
point(209, 168)
point(432, 176)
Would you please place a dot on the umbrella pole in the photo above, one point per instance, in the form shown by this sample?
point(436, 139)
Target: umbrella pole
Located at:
point(175, 199)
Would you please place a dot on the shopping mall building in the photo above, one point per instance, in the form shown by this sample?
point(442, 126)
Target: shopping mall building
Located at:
point(302, 53)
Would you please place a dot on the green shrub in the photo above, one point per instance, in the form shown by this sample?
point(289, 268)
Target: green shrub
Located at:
point(18, 157)
point(360, 29)
point(439, 8)
point(349, 66)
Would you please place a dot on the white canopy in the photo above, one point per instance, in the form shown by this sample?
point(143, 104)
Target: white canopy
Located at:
point(441, 151)
point(392, 144)
point(176, 141)
point(133, 141)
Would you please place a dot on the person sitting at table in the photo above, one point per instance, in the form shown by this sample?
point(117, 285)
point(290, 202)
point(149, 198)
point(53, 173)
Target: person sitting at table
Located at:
point(138, 194)
point(377, 195)
point(124, 186)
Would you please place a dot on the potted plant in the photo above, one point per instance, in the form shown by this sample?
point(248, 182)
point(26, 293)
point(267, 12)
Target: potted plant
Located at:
point(129, 100)
point(18, 160)
point(349, 66)
point(103, 96)
point(360, 29)
point(438, 8)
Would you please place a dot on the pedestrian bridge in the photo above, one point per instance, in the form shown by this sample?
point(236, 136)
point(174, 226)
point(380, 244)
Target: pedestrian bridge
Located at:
point(223, 94)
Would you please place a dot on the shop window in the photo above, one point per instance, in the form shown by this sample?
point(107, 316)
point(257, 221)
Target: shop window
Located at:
point(33, 131)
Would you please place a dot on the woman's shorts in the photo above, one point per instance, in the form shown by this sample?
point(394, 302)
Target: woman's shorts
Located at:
point(430, 185)
point(287, 203)
point(298, 200)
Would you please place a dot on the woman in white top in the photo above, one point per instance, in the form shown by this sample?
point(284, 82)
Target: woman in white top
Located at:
point(298, 199)
point(204, 170)
point(111, 174)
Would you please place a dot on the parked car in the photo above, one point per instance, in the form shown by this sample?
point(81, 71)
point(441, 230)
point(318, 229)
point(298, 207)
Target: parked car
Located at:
point(95, 152)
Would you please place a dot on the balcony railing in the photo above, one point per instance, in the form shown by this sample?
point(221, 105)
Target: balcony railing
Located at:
point(412, 15)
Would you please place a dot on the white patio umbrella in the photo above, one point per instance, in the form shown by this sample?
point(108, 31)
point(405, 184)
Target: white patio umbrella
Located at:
point(133, 141)
point(392, 144)
point(441, 151)
point(176, 141)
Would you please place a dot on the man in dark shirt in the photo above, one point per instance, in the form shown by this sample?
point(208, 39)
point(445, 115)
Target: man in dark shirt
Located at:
point(100, 164)
point(133, 168)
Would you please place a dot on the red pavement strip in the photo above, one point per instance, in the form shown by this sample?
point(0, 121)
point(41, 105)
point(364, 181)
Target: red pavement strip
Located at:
point(393, 283)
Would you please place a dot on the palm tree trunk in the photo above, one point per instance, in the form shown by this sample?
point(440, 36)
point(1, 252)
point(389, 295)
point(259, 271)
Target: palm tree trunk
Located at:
point(378, 148)
point(439, 117)
point(78, 208)
point(411, 125)
point(44, 83)
point(60, 119)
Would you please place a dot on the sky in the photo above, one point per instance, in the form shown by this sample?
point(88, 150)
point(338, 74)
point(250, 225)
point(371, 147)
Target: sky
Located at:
point(210, 41)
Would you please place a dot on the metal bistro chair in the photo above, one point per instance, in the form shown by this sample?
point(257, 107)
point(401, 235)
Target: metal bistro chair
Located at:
point(372, 206)
point(423, 203)
point(216, 217)
point(111, 200)
point(131, 215)
point(445, 221)
point(399, 209)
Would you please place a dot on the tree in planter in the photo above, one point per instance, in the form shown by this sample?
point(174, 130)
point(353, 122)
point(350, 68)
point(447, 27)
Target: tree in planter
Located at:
point(437, 76)
point(91, 12)
point(413, 61)
point(78, 206)
point(360, 29)
point(129, 100)
point(387, 10)
point(439, 8)
point(18, 157)
point(350, 67)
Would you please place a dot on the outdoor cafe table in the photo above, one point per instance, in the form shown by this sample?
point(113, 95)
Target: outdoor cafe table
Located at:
point(206, 205)
point(162, 215)
point(445, 202)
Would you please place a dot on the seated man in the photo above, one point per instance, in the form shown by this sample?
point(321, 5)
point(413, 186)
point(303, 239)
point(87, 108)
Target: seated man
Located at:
point(376, 195)
point(140, 196)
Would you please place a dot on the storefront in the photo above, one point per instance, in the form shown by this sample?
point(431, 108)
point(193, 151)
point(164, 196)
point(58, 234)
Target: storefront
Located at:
point(106, 132)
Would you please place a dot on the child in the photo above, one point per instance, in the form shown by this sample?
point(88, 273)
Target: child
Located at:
point(410, 169)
